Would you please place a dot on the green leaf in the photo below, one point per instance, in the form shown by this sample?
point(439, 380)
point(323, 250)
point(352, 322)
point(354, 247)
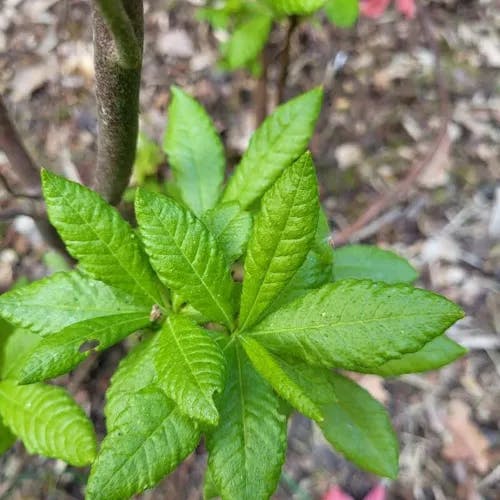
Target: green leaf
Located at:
point(135, 372)
point(61, 352)
point(281, 139)
point(370, 262)
point(359, 427)
point(7, 439)
point(435, 354)
point(185, 255)
point(295, 7)
point(95, 234)
point(51, 304)
point(48, 422)
point(190, 368)
point(313, 273)
point(270, 369)
point(195, 152)
point(209, 489)
point(247, 41)
point(231, 228)
point(149, 438)
point(14, 349)
point(349, 324)
point(148, 158)
point(282, 236)
point(247, 449)
point(342, 13)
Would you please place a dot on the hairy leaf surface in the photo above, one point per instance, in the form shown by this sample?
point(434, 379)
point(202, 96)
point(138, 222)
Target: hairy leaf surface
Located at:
point(149, 438)
point(247, 41)
point(359, 427)
point(435, 354)
point(231, 227)
point(265, 363)
point(357, 323)
point(190, 368)
point(97, 236)
point(195, 152)
point(61, 352)
point(282, 236)
point(185, 255)
point(51, 304)
point(281, 139)
point(247, 449)
point(342, 13)
point(370, 262)
point(48, 421)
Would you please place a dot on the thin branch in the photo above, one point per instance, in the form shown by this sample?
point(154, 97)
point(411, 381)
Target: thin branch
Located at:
point(285, 57)
point(117, 93)
point(401, 190)
point(21, 161)
point(128, 47)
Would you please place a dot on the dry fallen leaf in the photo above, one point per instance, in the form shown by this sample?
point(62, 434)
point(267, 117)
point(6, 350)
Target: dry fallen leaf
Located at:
point(466, 441)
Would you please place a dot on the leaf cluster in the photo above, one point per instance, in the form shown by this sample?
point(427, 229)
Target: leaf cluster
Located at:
point(243, 317)
point(247, 24)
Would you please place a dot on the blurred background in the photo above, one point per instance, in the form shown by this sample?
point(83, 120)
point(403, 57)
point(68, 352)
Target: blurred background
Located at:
point(408, 155)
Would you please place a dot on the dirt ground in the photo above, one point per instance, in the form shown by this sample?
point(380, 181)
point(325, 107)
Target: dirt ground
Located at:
point(383, 112)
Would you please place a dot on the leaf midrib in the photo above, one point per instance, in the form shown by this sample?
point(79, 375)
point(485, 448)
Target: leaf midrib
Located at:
point(125, 270)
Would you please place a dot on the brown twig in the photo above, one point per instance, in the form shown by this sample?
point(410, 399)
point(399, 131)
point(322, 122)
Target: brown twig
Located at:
point(402, 189)
point(285, 57)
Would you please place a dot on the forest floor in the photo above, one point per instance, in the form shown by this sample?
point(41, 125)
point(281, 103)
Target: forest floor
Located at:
point(383, 113)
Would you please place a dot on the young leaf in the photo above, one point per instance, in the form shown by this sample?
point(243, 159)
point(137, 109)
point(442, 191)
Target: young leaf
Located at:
point(265, 363)
point(7, 439)
point(247, 449)
point(314, 272)
point(435, 354)
point(195, 152)
point(231, 227)
point(61, 352)
point(342, 13)
point(356, 323)
point(295, 7)
point(95, 234)
point(185, 255)
point(148, 158)
point(51, 304)
point(370, 262)
point(149, 438)
point(281, 139)
point(190, 368)
point(359, 427)
point(48, 421)
point(247, 41)
point(13, 349)
point(282, 235)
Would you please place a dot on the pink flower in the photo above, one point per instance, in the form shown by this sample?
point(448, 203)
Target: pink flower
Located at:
point(336, 493)
point(375, 8)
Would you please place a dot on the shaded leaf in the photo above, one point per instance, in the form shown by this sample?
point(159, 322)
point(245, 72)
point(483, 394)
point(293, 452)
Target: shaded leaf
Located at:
point(195, 152)
point(247, 449)
point(370, 262)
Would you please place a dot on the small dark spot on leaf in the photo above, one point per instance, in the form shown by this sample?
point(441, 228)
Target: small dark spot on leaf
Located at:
point(89, 345)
